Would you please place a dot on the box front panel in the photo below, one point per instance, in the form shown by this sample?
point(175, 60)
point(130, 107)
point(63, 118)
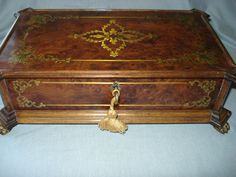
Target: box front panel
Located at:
point(136, 94)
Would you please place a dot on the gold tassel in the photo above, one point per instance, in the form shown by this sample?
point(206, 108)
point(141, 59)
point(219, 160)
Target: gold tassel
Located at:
point(110, 122)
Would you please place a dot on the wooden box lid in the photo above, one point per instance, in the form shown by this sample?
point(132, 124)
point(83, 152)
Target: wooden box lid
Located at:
point(137, 43)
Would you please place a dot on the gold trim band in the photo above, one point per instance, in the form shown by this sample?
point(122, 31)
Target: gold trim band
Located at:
point(106, 105)
point(109, 83)
point(105, 17)
point(107, 60)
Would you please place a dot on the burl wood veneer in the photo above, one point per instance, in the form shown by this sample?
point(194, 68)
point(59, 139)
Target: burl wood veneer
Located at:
point(58, 66)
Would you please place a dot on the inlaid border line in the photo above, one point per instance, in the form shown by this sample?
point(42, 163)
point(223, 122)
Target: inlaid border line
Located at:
point(109, 83)
point(106, 105)
point(111, 60)
point(103, 17)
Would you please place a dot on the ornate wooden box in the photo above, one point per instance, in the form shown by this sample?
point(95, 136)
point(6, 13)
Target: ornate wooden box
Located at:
point(70, 67)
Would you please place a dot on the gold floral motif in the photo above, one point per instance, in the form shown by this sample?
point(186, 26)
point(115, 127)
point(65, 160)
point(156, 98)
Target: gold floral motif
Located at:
point(202, 102)
point(36, 21)
point(26, 103)
point(20, 86)
point(113, 37)
point(208, 86)
point(24, 54)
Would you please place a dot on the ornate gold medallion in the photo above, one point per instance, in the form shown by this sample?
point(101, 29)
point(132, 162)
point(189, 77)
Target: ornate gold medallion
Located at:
point(113, 37)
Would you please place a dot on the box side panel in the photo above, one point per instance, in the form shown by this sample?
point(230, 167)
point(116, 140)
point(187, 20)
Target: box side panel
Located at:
point(136, 94)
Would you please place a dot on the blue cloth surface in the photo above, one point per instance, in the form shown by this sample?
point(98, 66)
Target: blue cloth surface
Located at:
point(145, 150)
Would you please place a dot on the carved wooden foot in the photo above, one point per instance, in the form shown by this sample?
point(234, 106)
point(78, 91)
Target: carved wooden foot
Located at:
point(219, 120)
point(7, 121)
point(224, 129)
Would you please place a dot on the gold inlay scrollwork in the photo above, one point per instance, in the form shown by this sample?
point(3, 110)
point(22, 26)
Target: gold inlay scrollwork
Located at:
point(26, 54)
point(113, 37)
point(208, 86)
point(20, 86)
